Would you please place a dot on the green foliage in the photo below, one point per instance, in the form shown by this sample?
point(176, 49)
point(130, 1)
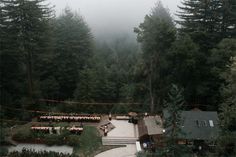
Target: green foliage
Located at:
point(174, 105)
point(2, 133)
point(22, 136)
point(184, 62)
point(73, 48)
point(25, 37)
point(25, 135)
point(73, 140)
point(109, 73)
point(207, 23)
point(226, 141)
point(213, 20)
point(228, 10)
point(3, 151)
point(27, 26)
point(173, 123)
point(120, 109)
point(49, 87)
point(156, 35)
point(226, 145)
point(90, 141)
point(32, 153)
point(222, 55)
point(220, 58)
point(53, 139)
point(142, 154)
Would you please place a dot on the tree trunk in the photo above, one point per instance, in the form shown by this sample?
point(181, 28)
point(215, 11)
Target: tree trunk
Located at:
point(29, 73)
point(151, 90)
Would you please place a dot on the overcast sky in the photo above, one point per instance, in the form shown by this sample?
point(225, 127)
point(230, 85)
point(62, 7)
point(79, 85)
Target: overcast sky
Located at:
point(111, 17)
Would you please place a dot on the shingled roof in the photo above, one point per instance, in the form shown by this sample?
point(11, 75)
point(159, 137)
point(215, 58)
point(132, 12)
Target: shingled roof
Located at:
point(198, 125)
point(151, 125)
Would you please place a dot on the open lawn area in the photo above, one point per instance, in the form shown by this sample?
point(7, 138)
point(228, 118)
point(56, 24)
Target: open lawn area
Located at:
point(89, 143)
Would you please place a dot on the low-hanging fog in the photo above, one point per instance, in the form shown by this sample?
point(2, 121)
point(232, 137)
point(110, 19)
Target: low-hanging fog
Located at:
point(108, 18)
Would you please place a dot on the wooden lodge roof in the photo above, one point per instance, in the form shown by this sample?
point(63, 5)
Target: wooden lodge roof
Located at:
point(151, 125)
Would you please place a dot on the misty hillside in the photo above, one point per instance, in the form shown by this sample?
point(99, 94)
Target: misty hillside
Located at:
point(142, 78)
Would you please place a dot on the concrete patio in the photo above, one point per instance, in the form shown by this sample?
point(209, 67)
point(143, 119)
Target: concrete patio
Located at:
point(123, 129)
point(124, 133)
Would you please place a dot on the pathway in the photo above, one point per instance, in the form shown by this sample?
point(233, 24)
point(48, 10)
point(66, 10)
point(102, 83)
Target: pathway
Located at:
point(128, 151)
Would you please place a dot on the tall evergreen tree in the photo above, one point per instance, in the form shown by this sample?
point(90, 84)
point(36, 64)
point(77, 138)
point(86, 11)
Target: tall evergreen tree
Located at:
point(201, 19)
point(220, 58)
point(26, 24)
point(73, 42)
point(173, 122)
point(184, 62)
point(208, 21)
point(10, 61)
point(156, 34)
point(228, 18)
point(108, 76)
point(227, 139)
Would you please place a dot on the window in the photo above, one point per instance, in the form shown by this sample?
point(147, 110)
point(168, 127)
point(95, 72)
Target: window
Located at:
point(204, 123)
point(211, 123)
point(201, 123)
point(197, 122)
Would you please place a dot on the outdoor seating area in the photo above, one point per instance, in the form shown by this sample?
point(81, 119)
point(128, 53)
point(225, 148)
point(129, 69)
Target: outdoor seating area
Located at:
point(75, 130)
point(106, 127)
point(122, 117)
point(66, 118)
point(56, 130)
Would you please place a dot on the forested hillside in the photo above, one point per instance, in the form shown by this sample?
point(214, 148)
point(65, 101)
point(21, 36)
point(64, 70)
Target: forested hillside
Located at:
point(55, 65)
point(48, 57)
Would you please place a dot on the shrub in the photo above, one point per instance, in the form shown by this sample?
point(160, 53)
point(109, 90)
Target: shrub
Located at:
point(3, 151)
point(54, 139)
point(73, 140)
point(22, 136)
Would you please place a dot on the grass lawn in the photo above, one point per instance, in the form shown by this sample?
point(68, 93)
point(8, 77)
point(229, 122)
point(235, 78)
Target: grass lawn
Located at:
point(90, 141)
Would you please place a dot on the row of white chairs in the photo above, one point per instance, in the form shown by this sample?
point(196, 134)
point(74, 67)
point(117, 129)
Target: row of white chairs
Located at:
point(50, 130)
point(70, 118)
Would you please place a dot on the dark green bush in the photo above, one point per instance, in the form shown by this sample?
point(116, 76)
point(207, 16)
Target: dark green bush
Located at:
point(54, 139)
point(73, 140)
point(3, 151)
point(32, 153)
point(23, 136)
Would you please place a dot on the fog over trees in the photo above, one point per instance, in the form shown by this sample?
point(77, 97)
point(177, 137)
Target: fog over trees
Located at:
point(119, 54)
point(111, 18)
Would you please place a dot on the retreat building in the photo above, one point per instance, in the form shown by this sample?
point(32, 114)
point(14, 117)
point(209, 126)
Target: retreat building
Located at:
point(198, 128)
point(150, 130)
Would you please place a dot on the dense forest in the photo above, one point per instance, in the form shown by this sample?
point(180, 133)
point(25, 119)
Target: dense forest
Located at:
point(52, 63)
point(48, 57)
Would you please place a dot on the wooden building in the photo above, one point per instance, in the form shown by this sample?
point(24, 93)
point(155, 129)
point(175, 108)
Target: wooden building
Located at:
point(151, 130)
point(198, 128)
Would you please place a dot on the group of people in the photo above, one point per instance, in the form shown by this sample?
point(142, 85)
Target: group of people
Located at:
point(32, 153)
point(78, 118)
point(75, 130)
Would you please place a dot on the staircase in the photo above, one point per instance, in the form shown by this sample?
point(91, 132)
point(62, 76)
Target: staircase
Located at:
point(118, 140)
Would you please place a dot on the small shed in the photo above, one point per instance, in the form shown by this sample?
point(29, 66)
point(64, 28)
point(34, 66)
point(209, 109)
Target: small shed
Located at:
point(151, 129)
